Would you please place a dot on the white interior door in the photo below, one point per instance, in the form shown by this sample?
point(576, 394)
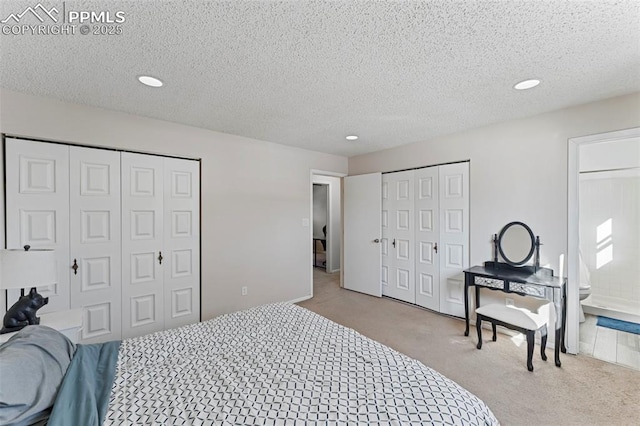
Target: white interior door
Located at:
point(362, 206)
point(427, 219)
point(142, 242)
point(37, 209)
point(95, 241)
point(454, 236)
point(398, 236)
point(181, 242)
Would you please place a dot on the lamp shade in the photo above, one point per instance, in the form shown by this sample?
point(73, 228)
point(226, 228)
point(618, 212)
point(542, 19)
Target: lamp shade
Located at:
point(24, 269)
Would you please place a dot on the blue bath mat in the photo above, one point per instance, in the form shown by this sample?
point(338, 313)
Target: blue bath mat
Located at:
point(616, 324)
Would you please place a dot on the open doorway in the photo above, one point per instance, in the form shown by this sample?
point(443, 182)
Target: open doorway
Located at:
point(326, 228)
point(320, 225)
point(604, 245)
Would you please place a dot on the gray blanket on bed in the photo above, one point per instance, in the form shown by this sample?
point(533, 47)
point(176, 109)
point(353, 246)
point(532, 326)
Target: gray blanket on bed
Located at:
point(32, 365)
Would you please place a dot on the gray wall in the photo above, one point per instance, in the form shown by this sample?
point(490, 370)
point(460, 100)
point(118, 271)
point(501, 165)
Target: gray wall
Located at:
point(518, 171)
point(255, 194)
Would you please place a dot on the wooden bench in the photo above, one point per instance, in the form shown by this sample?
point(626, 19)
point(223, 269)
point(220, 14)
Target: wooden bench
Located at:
point(514, 318)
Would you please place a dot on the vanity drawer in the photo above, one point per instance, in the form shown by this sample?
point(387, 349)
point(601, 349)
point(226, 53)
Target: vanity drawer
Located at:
point(489, 282)
point(531, 290)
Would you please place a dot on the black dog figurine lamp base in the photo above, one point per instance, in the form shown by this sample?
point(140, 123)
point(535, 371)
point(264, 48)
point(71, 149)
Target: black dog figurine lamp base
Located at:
point(20, 269)
point(23, 312)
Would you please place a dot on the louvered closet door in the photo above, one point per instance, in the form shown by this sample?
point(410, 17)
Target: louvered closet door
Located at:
point(427, 219)
point(454, 236)
point(142, 242)
point(181, 242)
point(95, 241)
point(398, 236)
point(37, 210)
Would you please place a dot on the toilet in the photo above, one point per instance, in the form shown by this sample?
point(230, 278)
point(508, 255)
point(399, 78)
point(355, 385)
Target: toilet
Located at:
point(585, 284)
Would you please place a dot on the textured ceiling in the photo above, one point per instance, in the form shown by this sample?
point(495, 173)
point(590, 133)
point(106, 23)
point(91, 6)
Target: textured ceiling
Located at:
point(308, 73)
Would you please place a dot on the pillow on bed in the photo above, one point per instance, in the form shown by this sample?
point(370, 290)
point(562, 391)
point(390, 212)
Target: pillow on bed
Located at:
point(32, 365)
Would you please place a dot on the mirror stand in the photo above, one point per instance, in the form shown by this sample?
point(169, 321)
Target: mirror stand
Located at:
point(537, 244)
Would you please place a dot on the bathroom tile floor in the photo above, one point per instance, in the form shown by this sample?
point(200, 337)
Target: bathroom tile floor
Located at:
point(609, 345)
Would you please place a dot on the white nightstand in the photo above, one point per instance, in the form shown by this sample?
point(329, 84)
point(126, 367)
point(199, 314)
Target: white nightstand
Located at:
point(68, 323)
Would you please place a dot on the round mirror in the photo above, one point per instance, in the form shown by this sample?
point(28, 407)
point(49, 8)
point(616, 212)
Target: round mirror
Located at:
point(516, 243)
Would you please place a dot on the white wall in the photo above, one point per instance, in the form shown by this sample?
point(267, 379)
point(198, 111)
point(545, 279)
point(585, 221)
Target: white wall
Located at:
point(518, 169)
point(334, 230)
point(610, 234)
point(265, 248)
point(610, 155)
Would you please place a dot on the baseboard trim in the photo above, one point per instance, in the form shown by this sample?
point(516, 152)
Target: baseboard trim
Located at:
point(300, 299)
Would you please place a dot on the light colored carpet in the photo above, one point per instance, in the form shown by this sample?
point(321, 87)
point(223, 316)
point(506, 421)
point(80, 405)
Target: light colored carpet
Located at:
point(584, 391)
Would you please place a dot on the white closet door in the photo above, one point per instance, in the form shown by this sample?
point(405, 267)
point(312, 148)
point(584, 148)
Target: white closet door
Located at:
point(398, 236)
point(427, 218)
point(385, 242)
point(181, 252)
point(95, 241)
point(142, 240)
point(37, 210)
point(454, 236)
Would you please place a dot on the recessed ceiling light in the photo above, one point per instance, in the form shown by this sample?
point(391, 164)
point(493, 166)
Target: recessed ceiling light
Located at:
point(150, 81)
point(352, 137)
point(527, 84)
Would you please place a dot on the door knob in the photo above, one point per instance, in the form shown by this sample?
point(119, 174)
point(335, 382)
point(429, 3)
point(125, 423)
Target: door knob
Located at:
point(435, 247)
point(394, 242)
point(75, 267)
point(160, 258)
point(377, 240)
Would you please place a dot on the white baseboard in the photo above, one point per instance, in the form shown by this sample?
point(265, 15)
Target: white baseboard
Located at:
point(300, 299)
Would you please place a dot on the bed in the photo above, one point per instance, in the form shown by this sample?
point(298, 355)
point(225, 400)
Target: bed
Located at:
point(277, 364)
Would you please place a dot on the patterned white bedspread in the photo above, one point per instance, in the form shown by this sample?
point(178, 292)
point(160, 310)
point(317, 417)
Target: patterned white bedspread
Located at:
point(279, 364)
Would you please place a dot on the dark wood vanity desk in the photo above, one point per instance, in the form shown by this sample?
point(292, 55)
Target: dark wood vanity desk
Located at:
point(525, 281)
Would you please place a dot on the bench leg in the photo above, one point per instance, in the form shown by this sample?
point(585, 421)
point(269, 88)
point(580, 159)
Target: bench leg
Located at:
point(479, 329)
point(493, 327)
point(543, 342)
point(531, 334)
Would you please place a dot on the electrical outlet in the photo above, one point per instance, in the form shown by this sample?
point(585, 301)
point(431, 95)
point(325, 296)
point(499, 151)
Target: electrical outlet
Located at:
point(508, 301)
point(244, 290)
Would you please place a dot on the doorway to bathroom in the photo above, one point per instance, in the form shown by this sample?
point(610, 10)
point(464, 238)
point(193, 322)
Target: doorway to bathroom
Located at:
point(609, 249)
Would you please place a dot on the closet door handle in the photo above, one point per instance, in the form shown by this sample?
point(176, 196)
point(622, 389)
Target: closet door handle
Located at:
point(160, 258)
point(394, 242)
point(75, 267)
point(377, 240)
point(435, 247)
